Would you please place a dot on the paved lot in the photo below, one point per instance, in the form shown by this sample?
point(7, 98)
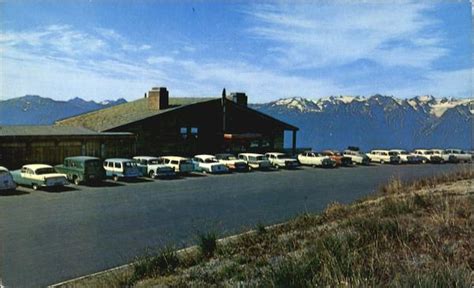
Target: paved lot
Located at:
point(48, 237)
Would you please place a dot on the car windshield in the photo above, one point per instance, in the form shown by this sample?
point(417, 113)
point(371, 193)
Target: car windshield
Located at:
point(282, 156)
point(129, 164)
point(3, 172)
point(393, 153)
point(93, 163)
point(184, 162)
point(231, 157)
point(210, 160)
point(42, 171)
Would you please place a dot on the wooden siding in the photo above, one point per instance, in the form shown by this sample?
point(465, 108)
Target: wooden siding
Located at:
point(17, 151)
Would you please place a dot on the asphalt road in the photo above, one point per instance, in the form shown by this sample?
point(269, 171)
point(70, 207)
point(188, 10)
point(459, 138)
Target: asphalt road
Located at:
point(48, 237)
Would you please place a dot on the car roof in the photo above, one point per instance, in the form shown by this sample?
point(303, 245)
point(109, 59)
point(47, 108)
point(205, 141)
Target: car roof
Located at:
point(145, 157)
point(81, 158)
point(3, 168)
point(36, 166)
point(204, 156)
point(275, 153)
point(118, 160)
point(174, 157)
point(396, 150)
point(251, 154)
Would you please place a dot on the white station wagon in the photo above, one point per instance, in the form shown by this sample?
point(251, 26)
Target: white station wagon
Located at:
point(460, 155)
point(180, 164)
point(315, 159)
point(281, 160)
point(255, 161)
point(383, 156)
point(208, 164)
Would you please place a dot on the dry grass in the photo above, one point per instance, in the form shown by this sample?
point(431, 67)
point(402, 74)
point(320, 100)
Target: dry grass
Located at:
point(416, 234)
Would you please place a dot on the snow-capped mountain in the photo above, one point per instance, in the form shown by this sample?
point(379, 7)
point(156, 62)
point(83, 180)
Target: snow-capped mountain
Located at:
point(37, 110)
point(377, 121)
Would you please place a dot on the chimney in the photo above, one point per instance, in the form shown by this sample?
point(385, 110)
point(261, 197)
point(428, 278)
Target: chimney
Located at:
point(158, 98)
point(239, 98)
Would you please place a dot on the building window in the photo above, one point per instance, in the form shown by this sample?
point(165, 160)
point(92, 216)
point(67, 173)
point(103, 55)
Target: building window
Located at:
point(183, 131)
point(194, 132)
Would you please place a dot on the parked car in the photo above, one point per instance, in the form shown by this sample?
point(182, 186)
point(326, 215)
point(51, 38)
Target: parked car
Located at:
point(6, 180)
point(153, 167)
point(232, 162)
point(39, 176)
point(461, 156)
point(445, 156)
point(383, 156)
point(315, 159)
point(357, 157)
point(337, 157)
point(180, 165)
point(428, 156)
point(255, 161)
point(281, 160)
point(117, 168)
point(81, 169)
point(405, 157)
point(208, 164)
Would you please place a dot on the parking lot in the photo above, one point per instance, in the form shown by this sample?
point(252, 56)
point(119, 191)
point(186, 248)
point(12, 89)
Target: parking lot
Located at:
point(51, 236)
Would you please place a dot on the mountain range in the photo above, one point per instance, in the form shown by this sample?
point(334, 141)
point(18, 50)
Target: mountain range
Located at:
point(37, 110)
point(377, 121)
point(334, 122)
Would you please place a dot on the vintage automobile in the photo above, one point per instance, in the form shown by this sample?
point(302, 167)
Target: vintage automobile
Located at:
point(383, 156)
point(208, 164)
point(445, 156)
point(315, 159)
point(232, 162)
point(39, 176)
point(281, 160)
point(357, 157)
point(427, 156)
point(405, 157)
point(6, 180)
point(461, 156)
point(338, 157)
point(117, 168)
point(82, 169)
point(153, 167)
point(255, 161)
point(180, 165)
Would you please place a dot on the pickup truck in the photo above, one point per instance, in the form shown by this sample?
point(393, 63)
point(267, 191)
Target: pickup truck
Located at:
point(82, 169)
point(154, 167)
point(39, 175)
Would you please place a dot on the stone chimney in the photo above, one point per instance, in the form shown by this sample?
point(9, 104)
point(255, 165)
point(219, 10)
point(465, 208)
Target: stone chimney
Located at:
point(239, 98)
point(158, 98)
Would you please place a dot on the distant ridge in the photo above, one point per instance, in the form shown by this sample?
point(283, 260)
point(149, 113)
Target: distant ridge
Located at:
point(332, 122)
point(37, 110)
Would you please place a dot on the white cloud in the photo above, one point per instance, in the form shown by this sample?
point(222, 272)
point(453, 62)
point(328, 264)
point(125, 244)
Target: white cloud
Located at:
point(323, 34)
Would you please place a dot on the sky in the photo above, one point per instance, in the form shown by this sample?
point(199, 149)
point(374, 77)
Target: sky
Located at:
point(100, 50)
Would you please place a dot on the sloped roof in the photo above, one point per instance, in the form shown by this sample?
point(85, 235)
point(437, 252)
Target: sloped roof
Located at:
point(115, 116)
point(48, 130)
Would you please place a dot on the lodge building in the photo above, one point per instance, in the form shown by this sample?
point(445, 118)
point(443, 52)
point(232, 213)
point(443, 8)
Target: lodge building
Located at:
point(160, 125)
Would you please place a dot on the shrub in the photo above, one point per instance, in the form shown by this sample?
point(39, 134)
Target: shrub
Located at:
point(150, 265)
point(207, 243)
point(261, 229)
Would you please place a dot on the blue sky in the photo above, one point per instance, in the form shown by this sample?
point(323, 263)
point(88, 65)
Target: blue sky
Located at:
point(101, 50)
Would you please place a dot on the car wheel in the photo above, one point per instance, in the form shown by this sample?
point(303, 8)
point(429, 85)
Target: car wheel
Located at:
point(382, 162)
point(115, 178)
point(151, 174)
point(75, 180)
point(314, 165)
point(441, 161)
point(34, 186)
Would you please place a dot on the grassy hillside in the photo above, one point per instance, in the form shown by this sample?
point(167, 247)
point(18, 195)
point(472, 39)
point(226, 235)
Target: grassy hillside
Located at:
point(408, 234)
